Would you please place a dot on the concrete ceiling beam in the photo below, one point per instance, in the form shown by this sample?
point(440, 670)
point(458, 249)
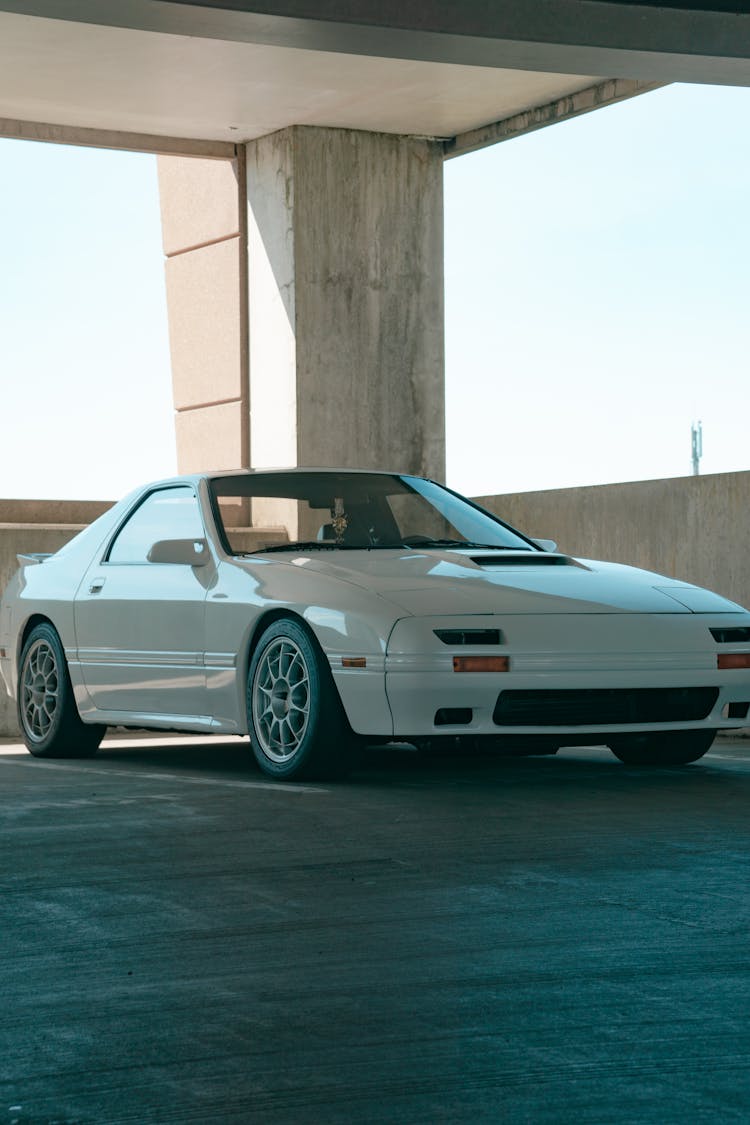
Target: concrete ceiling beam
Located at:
point(609, 92)
point(593, 97)
point(115, 139)
point(628, 40)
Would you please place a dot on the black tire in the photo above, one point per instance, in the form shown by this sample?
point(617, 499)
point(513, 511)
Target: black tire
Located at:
point(297, 724)
point(47, 714)
point(665, 748)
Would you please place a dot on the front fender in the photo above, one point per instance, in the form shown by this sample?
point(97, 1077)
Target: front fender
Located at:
point(346, 620)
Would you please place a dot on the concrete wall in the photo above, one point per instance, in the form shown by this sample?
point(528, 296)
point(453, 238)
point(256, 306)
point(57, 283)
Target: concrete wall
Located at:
point(692, 528)
point(345, 289)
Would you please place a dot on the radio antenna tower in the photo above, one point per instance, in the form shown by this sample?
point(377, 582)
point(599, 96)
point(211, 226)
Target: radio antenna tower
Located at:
point(696, 436)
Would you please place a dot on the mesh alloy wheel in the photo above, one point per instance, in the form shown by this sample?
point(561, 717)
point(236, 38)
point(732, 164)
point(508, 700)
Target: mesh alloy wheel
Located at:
point(47, 711)
point(40, 684)
point(281, 699)
point(296, 722)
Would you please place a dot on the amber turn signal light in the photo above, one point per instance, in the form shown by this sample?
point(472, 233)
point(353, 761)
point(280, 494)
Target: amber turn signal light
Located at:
point(481, 663)
point(354, 662)
point(733, 660)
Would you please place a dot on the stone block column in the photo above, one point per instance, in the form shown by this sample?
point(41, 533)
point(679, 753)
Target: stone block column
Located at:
point(205, 242)
point(345, 300)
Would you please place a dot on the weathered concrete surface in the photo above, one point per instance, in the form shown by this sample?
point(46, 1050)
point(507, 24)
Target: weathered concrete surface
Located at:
point(692, 528)
point(46, 512)
point(526, 941)
point(346, 300)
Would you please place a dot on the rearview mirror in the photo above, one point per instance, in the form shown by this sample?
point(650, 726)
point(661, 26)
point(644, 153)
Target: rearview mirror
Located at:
point(545, 544)
point(188, 552)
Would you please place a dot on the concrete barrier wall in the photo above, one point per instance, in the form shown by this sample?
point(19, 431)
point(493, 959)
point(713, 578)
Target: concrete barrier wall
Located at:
point(692, 528)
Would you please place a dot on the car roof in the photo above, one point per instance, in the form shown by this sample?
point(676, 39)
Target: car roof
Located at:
point(218, 474)
point(304, 469)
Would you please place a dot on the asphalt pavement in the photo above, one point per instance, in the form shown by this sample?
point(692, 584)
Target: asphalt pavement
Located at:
point(437, 939)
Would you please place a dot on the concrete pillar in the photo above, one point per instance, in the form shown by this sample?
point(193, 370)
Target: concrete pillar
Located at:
point(345, 289)
point(305, 297)
point(205, 242)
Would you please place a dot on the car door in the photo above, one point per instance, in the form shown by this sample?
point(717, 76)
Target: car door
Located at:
point(140, 625)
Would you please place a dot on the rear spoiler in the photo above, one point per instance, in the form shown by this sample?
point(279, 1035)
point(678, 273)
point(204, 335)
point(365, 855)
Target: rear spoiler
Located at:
point(33, 557)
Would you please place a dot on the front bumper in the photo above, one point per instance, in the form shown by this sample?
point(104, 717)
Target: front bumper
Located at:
point(586, 653)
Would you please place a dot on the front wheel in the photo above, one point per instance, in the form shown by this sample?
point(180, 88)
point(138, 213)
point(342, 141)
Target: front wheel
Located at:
point(297, 724)
point(47, 712)
point(667, 748)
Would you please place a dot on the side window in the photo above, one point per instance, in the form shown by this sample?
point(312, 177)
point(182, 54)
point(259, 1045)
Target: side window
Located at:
point(170, 513)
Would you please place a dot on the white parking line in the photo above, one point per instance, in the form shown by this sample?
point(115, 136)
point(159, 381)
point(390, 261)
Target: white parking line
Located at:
point(285, 787)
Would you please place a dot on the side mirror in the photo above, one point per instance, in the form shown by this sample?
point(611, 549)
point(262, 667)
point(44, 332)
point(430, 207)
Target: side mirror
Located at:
point(545, 544)
point(188, 552)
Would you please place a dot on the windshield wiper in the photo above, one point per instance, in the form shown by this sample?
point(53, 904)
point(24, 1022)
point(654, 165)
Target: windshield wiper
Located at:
point(331, 545)
point(420, 541)
point(495, 547)
point(312, 545)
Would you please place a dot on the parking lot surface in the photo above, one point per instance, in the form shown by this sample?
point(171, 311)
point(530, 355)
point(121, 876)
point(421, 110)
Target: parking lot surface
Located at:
point(438, 939)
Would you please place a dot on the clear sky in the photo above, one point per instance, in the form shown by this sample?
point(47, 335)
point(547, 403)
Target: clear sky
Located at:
point(596, 303)
point(85, 387)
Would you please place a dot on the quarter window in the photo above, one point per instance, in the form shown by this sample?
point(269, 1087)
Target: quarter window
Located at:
point(170, 513)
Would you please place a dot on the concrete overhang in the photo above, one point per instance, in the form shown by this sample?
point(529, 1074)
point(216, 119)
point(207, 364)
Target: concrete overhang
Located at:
point(156, 73)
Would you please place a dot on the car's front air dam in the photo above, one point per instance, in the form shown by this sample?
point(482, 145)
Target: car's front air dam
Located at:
point(578, 653)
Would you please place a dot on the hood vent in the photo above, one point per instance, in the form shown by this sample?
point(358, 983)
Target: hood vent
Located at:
point(532, 558)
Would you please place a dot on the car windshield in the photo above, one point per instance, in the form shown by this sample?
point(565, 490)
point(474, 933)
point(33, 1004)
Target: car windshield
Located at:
point(322, 511)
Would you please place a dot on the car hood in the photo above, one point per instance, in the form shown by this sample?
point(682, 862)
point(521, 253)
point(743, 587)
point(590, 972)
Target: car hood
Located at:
point(430, 582)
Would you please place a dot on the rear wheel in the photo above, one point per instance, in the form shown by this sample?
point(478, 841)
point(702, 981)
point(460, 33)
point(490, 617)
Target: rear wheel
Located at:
point(667, 748)
point(297, 724)
point(47, 712)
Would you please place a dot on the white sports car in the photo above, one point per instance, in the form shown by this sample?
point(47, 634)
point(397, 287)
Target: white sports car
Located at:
point(307, 607)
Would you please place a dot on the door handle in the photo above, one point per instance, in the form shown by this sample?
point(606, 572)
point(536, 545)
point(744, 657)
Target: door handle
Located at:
point(96, 586)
